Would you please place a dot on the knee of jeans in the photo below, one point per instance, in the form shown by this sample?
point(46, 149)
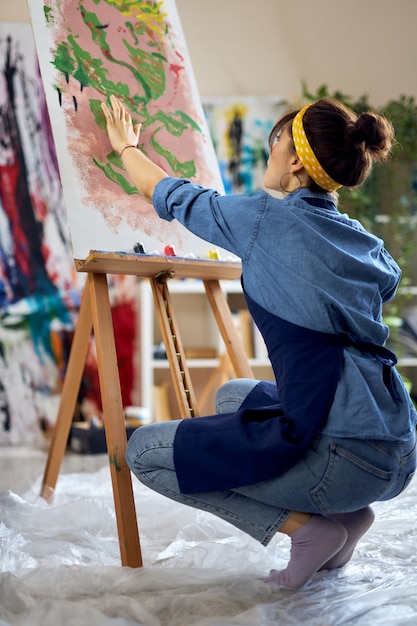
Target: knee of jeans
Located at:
point(151, 446)
point(230, 396)
point(134, 449)
point(222, 395)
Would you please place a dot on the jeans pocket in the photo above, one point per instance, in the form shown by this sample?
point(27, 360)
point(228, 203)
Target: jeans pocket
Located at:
point(406, 482)
point(350, 482)
point(405, 476)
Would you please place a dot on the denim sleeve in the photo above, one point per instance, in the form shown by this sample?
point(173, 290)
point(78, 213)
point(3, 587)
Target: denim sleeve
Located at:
point(390, 290)
point(226, 221)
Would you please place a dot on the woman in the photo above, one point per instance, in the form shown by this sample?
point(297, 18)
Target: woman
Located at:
point(308, 455)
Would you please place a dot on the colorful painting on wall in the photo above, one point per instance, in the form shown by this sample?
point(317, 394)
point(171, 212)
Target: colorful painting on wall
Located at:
point(89, 50)
point(240, 128)
point(38, 286)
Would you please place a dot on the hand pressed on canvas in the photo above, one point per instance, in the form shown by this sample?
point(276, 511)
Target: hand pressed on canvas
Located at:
point(124, 138)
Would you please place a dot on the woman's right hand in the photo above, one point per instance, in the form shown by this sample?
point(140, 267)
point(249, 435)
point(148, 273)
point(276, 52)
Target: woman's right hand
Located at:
point(120, 129)
point(144, 173)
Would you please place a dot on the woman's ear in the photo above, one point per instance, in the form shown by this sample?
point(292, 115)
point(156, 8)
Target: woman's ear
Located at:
point(296, 167)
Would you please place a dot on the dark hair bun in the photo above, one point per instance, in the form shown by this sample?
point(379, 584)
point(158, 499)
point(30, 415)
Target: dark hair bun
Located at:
point(374, 132)
point(346, 145)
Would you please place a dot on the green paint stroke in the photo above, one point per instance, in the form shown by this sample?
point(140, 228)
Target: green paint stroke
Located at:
point(116, 177)
point(149, 68)
point(146, 25)
point(133, 33)
point(95, 72)
point(175, 123)
point(146, 68)
point(47, 11)
point(64, 61)
point(113, 461)
point(95, 107)
point(182, 169)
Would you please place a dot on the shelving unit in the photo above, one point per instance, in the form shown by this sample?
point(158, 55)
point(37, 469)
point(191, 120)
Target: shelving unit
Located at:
point(199, 333)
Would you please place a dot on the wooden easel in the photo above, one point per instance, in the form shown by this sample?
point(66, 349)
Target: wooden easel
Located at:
point(95, 316)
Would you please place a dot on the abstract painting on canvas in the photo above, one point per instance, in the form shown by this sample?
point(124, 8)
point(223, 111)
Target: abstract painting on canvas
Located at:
point(136, 50)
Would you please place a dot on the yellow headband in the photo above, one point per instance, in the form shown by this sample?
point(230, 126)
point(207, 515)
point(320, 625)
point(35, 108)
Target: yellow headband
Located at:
point(307, 156)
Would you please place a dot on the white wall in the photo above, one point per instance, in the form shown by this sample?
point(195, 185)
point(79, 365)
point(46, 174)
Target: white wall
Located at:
point(269, 47)
point(239, 47)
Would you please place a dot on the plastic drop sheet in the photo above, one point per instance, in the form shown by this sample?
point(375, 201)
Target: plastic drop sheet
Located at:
point(60, 565)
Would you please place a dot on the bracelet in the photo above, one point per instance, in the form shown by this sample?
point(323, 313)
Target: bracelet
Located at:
point(125, 148)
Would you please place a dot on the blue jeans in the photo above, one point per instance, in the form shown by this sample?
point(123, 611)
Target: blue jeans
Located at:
point(336, 475)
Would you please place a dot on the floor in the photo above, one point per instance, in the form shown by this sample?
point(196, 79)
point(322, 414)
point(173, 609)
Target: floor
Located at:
point(21, 465)
point(59, 562)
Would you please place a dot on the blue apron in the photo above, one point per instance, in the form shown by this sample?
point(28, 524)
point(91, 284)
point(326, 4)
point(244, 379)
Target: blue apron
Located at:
point(277, 421)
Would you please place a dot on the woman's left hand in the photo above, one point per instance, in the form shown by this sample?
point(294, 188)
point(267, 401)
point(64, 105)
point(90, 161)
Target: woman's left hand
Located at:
point(120, 129)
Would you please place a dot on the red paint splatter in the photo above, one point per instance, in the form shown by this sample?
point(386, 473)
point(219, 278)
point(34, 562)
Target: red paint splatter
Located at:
point(9, 175)
point(125, 321)
point(39, 206)
point(176, 69)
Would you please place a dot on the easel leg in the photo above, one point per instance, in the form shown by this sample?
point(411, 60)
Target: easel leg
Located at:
point(114, 421)
point(217, 378)
point(234, 347)
point(69, 396)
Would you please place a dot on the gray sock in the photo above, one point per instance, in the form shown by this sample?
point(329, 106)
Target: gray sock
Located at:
point(356, 524)
point(312, 545)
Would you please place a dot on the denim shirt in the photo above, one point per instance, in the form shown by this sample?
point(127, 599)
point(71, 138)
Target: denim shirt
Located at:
point(316, 268)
